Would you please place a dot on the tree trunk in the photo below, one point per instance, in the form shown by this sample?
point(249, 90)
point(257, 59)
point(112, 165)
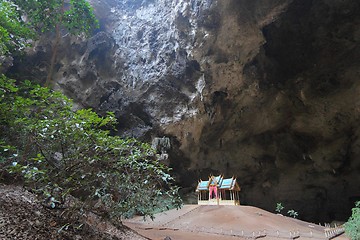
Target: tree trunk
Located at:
point(49, 80)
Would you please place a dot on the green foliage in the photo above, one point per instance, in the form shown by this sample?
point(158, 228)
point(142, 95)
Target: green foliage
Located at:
point(352, 226)
point(79, 18)
point(42, 14)
point(279, 207)
point(56, 16)
point(45, 15)
point(293, 213)
point(13, 30)
point(61, 152)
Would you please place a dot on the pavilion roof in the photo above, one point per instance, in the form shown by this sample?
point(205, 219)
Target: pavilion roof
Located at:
point(203, 185)
point(220, 182)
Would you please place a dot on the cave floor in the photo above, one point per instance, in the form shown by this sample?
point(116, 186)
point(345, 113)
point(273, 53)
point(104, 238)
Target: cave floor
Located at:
point(225, 223)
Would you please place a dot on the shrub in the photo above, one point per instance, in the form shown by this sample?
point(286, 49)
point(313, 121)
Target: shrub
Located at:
point(279, 208)
point(60, 152)
point(352, 226)
point(293, 213)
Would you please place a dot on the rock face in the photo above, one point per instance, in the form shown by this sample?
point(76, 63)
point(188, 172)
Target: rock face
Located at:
point(264, 90)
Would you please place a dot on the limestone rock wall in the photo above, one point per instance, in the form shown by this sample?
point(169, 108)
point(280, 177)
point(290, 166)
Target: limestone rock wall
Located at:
point(265, 90)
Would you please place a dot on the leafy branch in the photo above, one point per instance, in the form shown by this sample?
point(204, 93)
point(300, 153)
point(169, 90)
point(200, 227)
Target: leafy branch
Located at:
point(72, 154)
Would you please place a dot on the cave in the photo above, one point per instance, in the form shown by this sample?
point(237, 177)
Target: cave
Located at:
point(266, 91)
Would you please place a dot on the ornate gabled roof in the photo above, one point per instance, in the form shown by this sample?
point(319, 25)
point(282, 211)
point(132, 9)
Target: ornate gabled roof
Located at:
point(227, 183)
point(220, 182)
point(215, 181)
point(203, 185)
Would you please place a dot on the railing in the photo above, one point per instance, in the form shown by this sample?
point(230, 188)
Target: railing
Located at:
point(329, 233)
point(332, 232)
point(220, 202)
point(294, 234)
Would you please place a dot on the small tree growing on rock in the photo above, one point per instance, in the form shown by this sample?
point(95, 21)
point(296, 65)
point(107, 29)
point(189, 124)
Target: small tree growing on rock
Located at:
point(74, 16)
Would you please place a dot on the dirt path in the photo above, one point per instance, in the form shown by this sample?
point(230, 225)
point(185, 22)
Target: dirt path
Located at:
point(225, 223)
